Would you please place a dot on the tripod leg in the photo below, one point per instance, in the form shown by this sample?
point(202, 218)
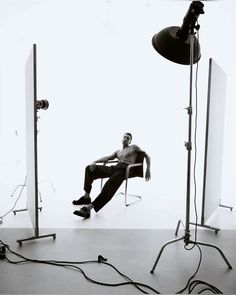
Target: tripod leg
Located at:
point(177, 228)
point(15, 189)
point(163, 247)
point(214, 246)
point(228, 207)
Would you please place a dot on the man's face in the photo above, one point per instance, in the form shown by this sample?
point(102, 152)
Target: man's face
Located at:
point(126, 139)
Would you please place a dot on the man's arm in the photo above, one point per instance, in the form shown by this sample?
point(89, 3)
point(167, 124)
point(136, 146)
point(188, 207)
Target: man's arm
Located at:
point(102, 160)
point(148, 162)
point(105, 159)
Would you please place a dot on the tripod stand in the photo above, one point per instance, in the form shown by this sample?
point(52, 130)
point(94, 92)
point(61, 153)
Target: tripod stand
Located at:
point(186, 236)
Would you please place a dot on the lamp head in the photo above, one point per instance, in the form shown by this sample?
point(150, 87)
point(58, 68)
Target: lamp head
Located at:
point(173, 43)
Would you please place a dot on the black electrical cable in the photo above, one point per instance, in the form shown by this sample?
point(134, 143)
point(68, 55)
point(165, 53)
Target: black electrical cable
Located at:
point(4, 215)
point(70, 264)
point(189, 280)
point(192, 285)
point(84, 274)
point(207, 289)
point(210, 287)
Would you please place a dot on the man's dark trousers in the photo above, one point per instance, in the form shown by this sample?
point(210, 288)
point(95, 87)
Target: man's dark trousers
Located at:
point(116, 176)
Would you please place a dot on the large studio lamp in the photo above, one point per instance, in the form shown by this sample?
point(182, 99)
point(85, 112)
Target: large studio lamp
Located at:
point(180, 45)
point(174, 43)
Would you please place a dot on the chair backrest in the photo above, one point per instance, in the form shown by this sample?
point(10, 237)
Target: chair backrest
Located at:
point(138, 171)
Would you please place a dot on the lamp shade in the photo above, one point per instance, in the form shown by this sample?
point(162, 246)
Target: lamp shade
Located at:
point(170, 46)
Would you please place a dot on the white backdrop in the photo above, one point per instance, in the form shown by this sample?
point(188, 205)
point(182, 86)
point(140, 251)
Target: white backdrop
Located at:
point(102, 77)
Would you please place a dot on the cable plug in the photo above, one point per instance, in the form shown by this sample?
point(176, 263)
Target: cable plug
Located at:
point(101, 258)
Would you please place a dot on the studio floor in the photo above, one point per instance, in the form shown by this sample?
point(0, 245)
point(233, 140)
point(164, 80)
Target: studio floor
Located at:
point(132, 251)
point(129, 237)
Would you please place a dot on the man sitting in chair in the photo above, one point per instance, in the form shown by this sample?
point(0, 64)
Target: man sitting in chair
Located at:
point(116, 173)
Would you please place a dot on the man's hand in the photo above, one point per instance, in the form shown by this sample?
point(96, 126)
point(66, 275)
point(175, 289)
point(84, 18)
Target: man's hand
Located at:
point(92, 166)
point(147, 175)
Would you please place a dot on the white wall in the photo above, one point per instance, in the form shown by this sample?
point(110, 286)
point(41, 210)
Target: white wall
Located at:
point(102, 77)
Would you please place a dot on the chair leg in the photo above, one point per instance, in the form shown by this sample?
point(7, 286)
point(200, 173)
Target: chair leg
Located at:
point(131, 195)
point(126, 184)
point(125, 194)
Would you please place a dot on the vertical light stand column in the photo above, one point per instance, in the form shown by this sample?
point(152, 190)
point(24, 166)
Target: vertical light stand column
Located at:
point(186, 237)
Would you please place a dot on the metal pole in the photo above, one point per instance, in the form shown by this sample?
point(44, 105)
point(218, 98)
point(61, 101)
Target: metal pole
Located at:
point(189, 143)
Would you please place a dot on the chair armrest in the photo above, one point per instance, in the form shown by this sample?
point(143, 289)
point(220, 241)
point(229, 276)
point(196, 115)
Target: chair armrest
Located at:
point(130, 166)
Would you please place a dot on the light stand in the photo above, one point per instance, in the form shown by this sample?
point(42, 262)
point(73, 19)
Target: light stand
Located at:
point(32, 106)
point(185, 35)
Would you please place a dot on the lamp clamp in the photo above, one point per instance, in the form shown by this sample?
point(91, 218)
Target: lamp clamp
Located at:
point(187, 237)
point(188, 145)
point(189, 110)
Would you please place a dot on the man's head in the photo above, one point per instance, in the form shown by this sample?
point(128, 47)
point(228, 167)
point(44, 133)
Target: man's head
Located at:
point(127, 138)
